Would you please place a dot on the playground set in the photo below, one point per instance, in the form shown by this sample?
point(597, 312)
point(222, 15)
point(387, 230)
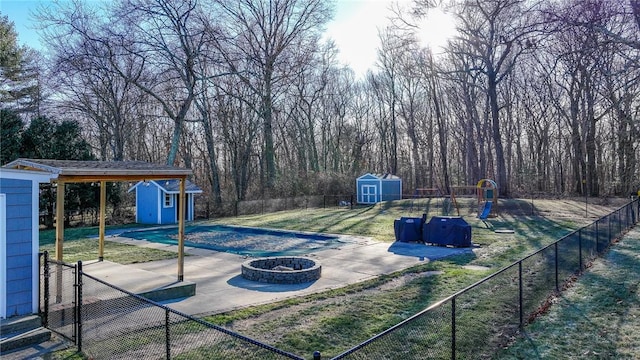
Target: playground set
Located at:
point(447, 230)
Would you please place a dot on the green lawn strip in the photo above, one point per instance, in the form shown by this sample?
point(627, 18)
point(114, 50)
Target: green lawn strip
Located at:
point(49, 236)
point(367, 221)
point(78, 247)
point(596, 318)
point(67, 354)
point(87, 249)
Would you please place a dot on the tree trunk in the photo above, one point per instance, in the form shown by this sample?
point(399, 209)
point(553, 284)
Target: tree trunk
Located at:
point(269, 149)
point(214, 177)
point(492, 93)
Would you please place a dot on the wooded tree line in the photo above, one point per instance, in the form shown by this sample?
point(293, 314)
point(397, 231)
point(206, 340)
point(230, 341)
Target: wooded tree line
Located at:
point(542, 96)
point(46, 138)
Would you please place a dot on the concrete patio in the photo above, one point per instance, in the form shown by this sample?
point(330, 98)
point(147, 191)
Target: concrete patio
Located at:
point(220, 287)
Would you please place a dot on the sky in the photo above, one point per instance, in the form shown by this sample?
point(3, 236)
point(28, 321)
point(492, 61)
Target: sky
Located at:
point(356, 25)
point(354, 28)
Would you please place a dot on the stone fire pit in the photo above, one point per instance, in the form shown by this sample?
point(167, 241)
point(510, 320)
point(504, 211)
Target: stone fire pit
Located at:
point(282, 270)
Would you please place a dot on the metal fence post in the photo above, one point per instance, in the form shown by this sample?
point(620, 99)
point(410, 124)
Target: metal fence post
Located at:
point(520, 295)
point(40, 276)
point(167, 334)
point(619, 222)
point(45, 298)
point(453, 328)
point(597, 236)
point(79, 306)
point(580, 248)
point(555, 247)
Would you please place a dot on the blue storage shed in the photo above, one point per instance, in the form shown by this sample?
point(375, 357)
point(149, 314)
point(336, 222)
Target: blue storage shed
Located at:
point(374, 188)
point(157, 201)
point(19, 240)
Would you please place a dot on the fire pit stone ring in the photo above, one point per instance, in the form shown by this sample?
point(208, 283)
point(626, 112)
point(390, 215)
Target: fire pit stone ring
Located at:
point(282, 270)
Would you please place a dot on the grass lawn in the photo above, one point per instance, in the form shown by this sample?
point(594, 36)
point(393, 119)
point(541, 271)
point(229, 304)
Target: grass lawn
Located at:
point(336, 320)
point(82, 244)
point(597, 318)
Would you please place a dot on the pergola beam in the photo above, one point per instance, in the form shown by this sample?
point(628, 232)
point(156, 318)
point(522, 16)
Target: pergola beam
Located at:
point(72, 171)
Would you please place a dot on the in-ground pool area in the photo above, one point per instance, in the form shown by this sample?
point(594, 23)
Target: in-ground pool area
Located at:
point(247, 241)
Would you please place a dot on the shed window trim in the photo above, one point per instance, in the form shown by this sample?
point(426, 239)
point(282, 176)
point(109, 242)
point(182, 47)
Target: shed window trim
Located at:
point(168, 200)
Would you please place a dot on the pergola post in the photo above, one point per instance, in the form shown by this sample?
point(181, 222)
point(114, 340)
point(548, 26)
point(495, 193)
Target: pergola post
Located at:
point(103, 215)
point(76, 171)
point(181, 212)
point(59, 219)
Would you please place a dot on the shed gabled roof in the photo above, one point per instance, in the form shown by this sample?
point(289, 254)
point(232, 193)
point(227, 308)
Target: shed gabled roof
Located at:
point(380, 176)
point(86, 171)
point(172, 186)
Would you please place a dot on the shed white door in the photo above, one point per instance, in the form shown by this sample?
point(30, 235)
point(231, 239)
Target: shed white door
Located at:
point(368, 194)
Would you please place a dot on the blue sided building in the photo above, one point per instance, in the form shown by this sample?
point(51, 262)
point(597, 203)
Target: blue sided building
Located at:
point(375, 188)
point(19, 241)
point(157, 201)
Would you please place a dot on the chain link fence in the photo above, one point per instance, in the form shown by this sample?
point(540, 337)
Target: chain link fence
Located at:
point(266, 206)
point(474, 322)
point(59, 297)
point(112, 323)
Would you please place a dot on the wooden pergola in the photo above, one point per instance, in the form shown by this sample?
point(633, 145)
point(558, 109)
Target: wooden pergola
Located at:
point(72, 171)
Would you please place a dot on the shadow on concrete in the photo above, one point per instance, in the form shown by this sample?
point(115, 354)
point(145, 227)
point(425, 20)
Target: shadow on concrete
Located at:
point(422, 251)
point(240, 282)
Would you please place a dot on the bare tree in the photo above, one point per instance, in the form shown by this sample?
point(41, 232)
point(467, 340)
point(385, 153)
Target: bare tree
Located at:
point(154, 45)
point(465, 87)
point(264, 42)
point(496, 33)
point(385, 82)
point(166, 38)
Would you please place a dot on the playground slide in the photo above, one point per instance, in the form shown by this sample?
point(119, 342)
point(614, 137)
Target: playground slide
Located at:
point(486, 210)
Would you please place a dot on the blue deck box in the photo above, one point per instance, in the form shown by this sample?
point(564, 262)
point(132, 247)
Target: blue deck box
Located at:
point(447, 231)
point(409, 229)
